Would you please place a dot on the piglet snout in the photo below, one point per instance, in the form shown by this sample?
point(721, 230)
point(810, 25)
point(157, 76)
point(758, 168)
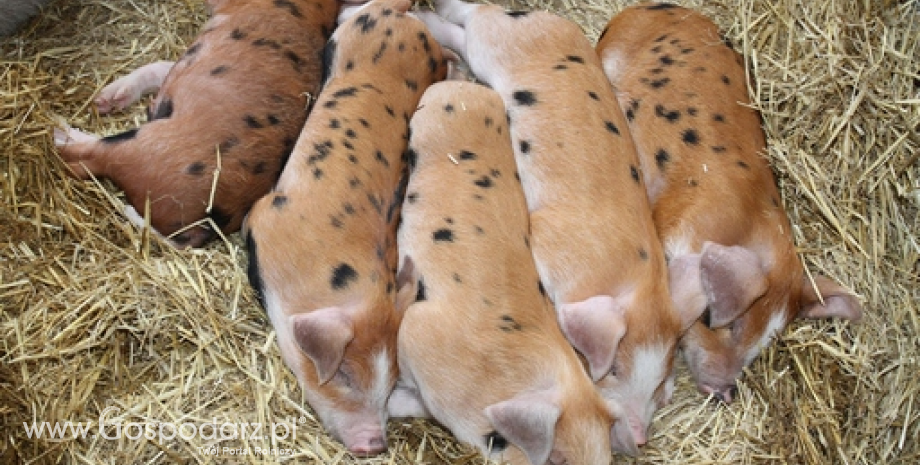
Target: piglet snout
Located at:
point(623, 440)
point(724, 394)
point(366, 443)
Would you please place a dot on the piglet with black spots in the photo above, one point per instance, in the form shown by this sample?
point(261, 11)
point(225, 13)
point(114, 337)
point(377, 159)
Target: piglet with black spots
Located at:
point(322, 245)
point(223, 123)
point(715, 202)
point(479, 349)
point(593, 238)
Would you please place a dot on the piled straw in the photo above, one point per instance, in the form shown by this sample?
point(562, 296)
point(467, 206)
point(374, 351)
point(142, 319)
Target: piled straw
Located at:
point(94, 315)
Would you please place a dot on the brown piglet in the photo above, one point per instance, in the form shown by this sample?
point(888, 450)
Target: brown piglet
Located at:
point(322, 245)
point(479, 349)
point(223, 123)
point(715, 202)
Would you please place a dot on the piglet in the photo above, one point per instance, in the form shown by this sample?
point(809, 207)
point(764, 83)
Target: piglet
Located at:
point(593, 239)
point(479, 349)
point(322, 245)
point(716, 206)
point(225, 119)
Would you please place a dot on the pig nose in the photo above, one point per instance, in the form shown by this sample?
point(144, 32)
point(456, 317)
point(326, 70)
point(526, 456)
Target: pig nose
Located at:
point(724, 394)
point(369, 446)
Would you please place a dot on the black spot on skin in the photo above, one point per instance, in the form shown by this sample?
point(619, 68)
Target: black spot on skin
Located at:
point(290, 6)
point(411, 158)
point(351, 134)
point(350, 65)
point(412, 197)
point(330, 103)
point(353, 159)
point(163, 110)
point(743, 164)
point(693, 183)
point(193, 49)
point(516, 14)
point(634, 173)
point(662, 158)
point(382, 159)
point(690, 137)
point(660, 6)
point(479, 230)
point(489, 121)
point(366, 23)
point(127, 135)
point(466, 155)
point(561, 67)
point(376, 202)
point(657, 70)
point(342, 276)
point(484, 182)
point(364, 123)
point(443, 235)
point(432, 65)
point(387, 12)
point(612, 127)
point(524, 97)
point(218, 70)
point(575, 59)
point(643, 254)
point(699, 69)
point(509, 324)
point(525, 146)
point(295, 59)
point(692, 111)
point(412, 85)
point(279, 201)
point(661, 38)
point(379, 54)
point(335, 222)
point(719, 118)
point(656, 49)
point(237, 35)
point(328, 58)
point(220, 217)
point(593, 95)
point(457, 278)
point(725, 80)
point(422, 294)
point(334, 123)
point(195, 169)
point(264, 42)
point(390, 111)
point(659, 83)
point(666, 60)
point(541, 288)
point(449, 108)
point(317, 173)
point(272, 119)
point(252, 122)
point(671, 115)
point(354, 182)
point(718, 148)
point(252, 269)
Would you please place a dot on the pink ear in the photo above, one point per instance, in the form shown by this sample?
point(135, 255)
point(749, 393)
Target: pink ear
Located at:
point(529, 421)
point(687, 288)
point(323, 335)
point(838, 302)
point(594, 327)
point(732, 279)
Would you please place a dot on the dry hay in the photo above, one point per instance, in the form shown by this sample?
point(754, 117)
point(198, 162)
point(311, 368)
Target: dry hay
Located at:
point(94, 315)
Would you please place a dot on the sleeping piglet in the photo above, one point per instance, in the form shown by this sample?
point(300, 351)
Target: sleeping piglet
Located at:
point(225, 118)
point(479, 349)
point(716, 206)
point(322, 245)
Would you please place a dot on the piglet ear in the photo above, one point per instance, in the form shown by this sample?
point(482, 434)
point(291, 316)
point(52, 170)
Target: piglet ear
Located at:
point(323, 335)
point(732, 278)
point(687, 288)
point(528, 420)
point(837, 301)
point(594, 327)
point(406, 284)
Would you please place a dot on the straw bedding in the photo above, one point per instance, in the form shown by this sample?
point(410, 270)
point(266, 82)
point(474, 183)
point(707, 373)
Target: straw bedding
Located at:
point(96, 316)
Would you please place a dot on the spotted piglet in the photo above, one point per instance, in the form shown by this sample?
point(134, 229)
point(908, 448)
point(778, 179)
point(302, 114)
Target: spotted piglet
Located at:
point(480, 346)
point(716, 205)
point(322, 245)
point(593, 238)
point(226, 117)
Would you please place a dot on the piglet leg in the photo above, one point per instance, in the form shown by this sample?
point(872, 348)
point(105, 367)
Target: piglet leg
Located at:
point(128, 89)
